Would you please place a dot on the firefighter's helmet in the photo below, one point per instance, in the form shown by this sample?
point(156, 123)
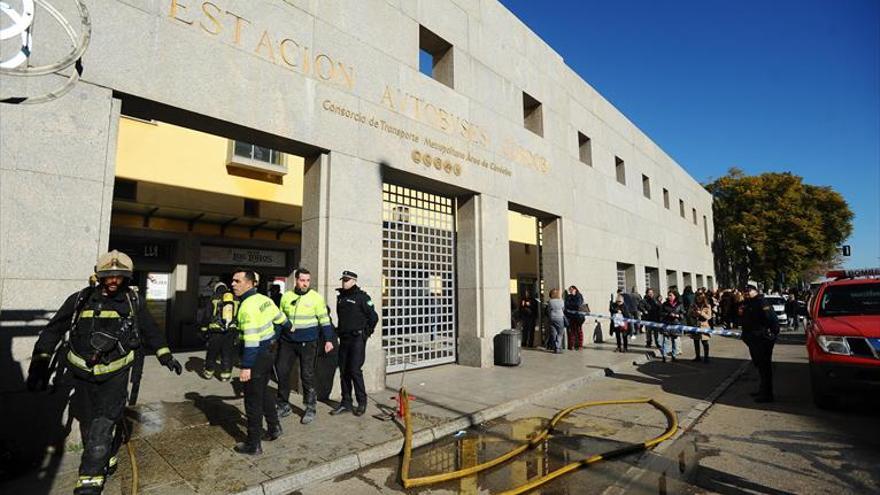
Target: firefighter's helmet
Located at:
point(114, 263)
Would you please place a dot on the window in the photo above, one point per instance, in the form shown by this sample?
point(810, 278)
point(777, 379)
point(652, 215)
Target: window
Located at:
point(585, 147)
point(626, 276)
point(257, 153)
point(706, 230)
point(694, 214)
point(620, 170)
point(125, 189)
point(533, 117)
point(646, 186)
point(666, 198)
point(248, 160)
point(435, 57)
point(251, 207)
point(681, 207)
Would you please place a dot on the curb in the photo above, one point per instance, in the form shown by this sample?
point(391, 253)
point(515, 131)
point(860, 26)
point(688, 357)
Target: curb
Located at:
point(653, 458)
point(371, 455)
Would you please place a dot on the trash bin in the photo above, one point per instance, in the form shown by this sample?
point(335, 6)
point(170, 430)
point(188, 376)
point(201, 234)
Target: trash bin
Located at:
point(507, 347)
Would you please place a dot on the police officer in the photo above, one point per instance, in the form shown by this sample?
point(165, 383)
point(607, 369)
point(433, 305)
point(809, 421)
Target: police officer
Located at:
point(259, 323)
point(307, 312)
point(220, 332)
point(108, 323)
point(759, 330)
point(357, 320)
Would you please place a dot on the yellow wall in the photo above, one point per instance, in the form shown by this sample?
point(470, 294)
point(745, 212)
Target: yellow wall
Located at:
point(522, 228)
point(177, 156)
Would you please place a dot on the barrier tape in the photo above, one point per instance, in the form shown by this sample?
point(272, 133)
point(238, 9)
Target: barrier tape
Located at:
point(671, 329)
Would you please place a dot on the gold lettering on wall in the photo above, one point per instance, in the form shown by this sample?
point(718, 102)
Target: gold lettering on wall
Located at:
point(416, 108)
point(212, 19)
point(174, 11)
point(218, 26)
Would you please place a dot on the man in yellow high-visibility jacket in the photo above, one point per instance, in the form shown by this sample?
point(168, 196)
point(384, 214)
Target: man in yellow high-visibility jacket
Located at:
point(259, 322)
point(307, 311)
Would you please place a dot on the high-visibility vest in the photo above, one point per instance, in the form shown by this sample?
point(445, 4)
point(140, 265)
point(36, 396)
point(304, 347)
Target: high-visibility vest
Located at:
point(257, 317)
point(306, 312)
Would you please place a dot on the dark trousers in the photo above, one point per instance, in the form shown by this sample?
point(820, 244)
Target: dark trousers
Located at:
point(222, 346)
point(258, 401)
point(762, 355)
point(575, 334)
point(528, 335)
point(653, 335)
point(99, 408)
point(704, 344)
point(352, 351)
point(621, 336)
point(305, 353)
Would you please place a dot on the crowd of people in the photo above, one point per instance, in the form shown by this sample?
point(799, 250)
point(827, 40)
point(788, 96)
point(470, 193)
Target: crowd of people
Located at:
point(564, 314)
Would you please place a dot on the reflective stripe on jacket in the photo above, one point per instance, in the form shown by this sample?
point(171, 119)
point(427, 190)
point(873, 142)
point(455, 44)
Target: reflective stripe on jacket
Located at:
point(307, 313)
point(257, 318)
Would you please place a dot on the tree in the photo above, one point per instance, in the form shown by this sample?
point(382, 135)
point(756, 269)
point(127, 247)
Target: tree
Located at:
point(775, 229)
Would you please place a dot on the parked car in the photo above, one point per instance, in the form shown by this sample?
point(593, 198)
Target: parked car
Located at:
point(843, 336)
point(778, 303)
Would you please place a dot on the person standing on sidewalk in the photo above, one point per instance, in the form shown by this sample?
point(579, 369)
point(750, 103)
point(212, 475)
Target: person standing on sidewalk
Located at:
point(556, 314)
point(791, 311)
point(618, 325)
point(528, 313)
point(357, 320)
point(106, 325)
point(260, 322)
point(760, 328)
point(651, 313)
point(701, 313)
point(671, 313)
point(220, 332)
point(574, 300)
point(308, 315)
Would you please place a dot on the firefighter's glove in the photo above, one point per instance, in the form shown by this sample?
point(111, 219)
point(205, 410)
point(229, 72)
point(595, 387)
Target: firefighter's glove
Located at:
point(172, 364)
point(38, 373)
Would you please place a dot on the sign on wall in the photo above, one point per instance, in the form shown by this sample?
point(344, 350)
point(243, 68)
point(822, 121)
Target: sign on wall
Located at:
point(219, 255)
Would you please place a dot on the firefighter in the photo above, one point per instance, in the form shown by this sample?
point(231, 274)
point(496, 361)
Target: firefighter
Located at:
point(107, 325)
point(220, 333)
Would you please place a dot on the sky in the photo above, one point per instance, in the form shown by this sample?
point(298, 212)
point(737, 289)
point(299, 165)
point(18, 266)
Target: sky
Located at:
point(766, 86)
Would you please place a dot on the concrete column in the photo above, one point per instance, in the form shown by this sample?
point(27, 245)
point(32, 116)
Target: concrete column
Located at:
point(342, 230)
point(57, 163)
point(551, 255)
point(483, 264)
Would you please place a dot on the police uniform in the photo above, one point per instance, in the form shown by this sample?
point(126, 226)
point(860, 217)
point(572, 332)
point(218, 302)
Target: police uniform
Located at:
point(308, 316)
point(259, 323)
point(106, 334)
point(759, 330)
point(220, 332)
point(357, 320)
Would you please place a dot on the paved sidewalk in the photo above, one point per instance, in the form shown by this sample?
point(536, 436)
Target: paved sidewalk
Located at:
point(185, 427)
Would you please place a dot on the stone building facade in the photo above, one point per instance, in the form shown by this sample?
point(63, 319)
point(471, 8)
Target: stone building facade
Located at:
point(403, 161)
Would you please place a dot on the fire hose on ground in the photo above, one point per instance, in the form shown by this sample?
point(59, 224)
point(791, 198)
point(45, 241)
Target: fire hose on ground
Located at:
point(408, 482)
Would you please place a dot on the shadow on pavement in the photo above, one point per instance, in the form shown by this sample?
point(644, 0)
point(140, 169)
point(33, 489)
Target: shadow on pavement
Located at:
point(34, 424)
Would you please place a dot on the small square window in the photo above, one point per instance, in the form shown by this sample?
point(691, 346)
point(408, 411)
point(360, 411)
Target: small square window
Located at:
point(435, 57)
point(533, 118)
point(666, 198)
point(646, 186)
point(585, 148)
point(251, 208)
point(620, 170)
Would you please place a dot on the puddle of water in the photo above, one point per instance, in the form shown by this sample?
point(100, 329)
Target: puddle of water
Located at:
point(575, 438)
